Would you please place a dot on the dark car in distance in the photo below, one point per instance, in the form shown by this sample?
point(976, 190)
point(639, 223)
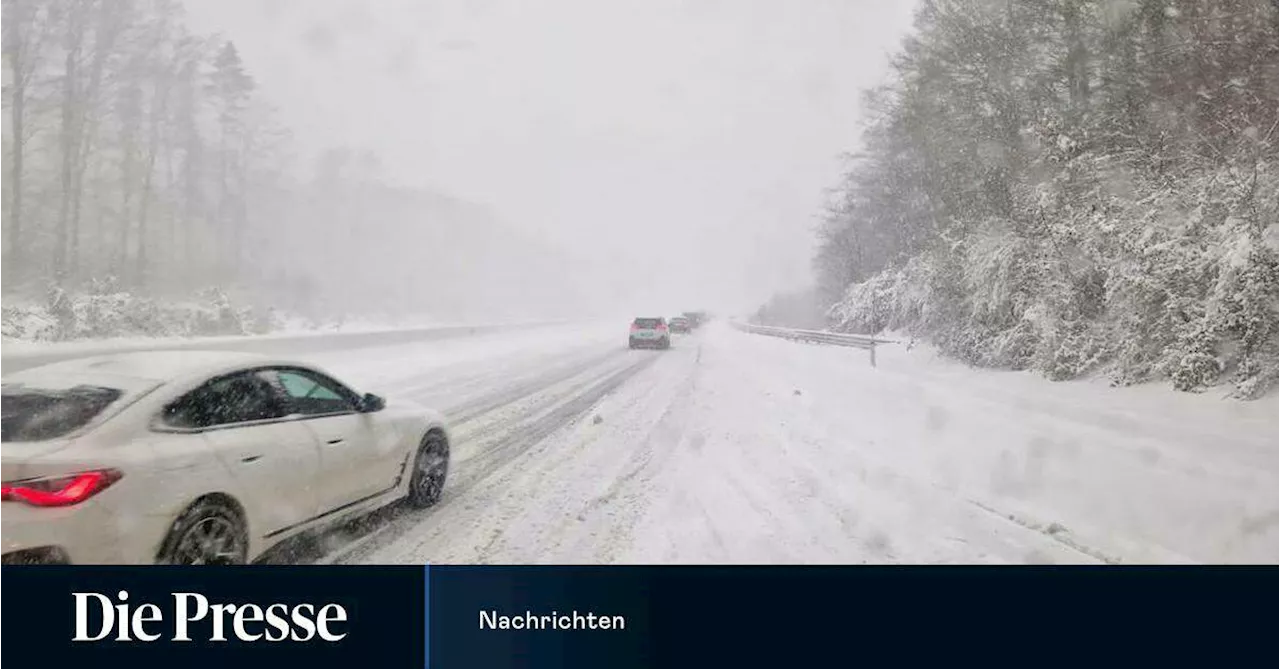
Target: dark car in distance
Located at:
point(680, 325)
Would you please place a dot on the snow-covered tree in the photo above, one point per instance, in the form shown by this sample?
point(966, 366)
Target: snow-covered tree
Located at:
point(1072, 186)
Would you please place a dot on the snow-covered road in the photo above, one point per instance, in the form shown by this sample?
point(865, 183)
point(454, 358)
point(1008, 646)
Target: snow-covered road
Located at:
point(737, 448)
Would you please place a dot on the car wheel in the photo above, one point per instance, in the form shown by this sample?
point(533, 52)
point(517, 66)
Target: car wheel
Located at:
point(210, 532)
point(430, 469)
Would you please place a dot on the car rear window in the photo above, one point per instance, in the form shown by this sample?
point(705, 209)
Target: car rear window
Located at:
point(39, 414)
point(648, 322)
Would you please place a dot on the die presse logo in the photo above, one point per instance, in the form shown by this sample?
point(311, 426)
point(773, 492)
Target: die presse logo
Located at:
point(190, 615)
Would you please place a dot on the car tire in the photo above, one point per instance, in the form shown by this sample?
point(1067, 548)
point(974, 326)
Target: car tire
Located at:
point(430, 471)
point(210, 532)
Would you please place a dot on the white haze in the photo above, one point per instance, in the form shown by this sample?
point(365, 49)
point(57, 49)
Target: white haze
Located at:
point(673, 154)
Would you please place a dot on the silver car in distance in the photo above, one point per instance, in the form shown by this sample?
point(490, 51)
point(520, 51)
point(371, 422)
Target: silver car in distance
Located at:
point(196, 457)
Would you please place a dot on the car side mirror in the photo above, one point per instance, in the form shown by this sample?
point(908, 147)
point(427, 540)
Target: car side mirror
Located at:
point(371, 403)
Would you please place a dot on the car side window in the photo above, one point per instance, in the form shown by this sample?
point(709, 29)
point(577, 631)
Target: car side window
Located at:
point(312, 394)
point(237, 398)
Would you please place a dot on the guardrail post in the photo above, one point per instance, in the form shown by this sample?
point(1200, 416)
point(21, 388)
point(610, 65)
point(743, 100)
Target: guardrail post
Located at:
point(873, 352)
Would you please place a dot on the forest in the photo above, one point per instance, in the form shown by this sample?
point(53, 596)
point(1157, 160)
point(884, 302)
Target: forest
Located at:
point(133, 148)
point(150, 188)
point(141, 167)
point(1075, 187)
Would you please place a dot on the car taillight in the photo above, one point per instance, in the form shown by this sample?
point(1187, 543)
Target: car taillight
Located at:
point(635, 326)
point(660, 327)
point(64, 490)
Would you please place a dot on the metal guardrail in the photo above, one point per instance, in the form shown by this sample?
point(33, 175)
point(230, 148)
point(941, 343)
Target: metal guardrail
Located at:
point(865, 342)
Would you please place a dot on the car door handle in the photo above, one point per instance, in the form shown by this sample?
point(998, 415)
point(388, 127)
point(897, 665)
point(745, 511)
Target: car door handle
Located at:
point(250, 458)
point(331, 442)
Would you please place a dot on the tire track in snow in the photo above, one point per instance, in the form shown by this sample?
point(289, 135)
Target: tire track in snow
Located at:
point(668, 435)
point(478, 407)
point(519, 437)
point(524, 511)
point(1053, 531)
point(497, 443)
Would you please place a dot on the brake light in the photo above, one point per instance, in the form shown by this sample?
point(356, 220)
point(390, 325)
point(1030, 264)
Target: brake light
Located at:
point(635, 326)
point(661, 326)
point(60, 490)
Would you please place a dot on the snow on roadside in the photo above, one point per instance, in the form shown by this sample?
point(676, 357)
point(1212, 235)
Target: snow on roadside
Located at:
point(14, 348)
point(28, 347)
point(766, 471)
point(1139, 474)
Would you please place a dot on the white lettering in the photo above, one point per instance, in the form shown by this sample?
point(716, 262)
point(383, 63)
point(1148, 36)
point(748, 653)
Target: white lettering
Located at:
point(122, 632)
point(304, 622)
point(220, 610)
point(247, 613)
point(277, 622)
point(147, 613)
point(330, 613)
point(492, 620)
point(180, 600)
point(99, 618)
point(82, 616)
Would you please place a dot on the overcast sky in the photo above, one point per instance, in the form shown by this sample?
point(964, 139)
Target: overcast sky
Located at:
point(687, 143)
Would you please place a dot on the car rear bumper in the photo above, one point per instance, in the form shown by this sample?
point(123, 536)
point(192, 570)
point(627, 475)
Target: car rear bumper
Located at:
point(644, 342)
point(82, 534)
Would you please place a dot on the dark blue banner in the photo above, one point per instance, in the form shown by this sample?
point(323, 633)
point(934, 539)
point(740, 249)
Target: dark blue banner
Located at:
point(448, 617)
point(701, 617)
point(238, 617)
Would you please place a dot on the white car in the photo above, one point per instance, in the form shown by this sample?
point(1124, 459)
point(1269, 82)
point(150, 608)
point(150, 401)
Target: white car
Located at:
point(649, 333)
point(199, 457)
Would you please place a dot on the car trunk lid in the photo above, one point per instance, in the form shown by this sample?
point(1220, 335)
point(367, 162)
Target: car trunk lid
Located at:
point(648, 328)
point(19, 460)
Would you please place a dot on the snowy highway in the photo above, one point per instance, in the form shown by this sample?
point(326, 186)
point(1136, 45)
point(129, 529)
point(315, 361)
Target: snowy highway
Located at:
point(737, 448)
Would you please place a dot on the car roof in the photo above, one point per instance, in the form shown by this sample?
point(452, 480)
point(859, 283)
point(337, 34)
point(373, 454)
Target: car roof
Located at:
point(157, 366)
